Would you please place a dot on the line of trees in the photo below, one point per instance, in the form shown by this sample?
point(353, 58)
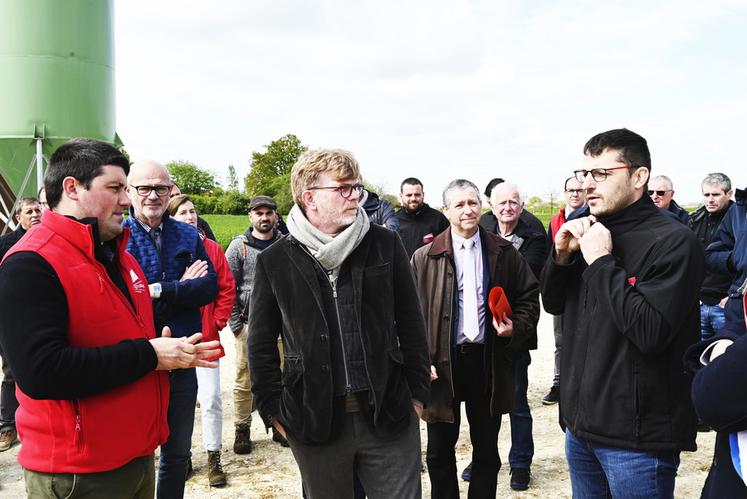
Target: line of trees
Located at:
point(269, 175)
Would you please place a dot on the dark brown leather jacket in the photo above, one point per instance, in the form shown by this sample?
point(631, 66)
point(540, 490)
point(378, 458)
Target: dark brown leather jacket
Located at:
point(435, 276)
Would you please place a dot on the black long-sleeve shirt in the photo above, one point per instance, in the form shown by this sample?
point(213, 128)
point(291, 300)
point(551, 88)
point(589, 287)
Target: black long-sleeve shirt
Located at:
point(34, 336)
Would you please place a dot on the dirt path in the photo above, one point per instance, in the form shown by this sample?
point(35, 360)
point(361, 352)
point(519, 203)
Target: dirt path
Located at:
point(270, 471)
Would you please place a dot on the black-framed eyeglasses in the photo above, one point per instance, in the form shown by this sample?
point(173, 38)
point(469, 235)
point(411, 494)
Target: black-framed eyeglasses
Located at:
point(145, 190)
point(345, 190)
point(659, 193)
point(574, 191)
point(598, 174)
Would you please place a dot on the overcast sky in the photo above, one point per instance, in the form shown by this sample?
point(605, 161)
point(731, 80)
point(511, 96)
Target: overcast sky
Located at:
point(437, 89)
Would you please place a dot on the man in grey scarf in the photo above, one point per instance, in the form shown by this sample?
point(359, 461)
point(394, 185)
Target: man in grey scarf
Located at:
point(340, 292)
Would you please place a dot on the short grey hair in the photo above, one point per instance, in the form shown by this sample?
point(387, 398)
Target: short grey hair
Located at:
point(665, 179)
point(507, 187)
point(459, 183)
point(718, 179)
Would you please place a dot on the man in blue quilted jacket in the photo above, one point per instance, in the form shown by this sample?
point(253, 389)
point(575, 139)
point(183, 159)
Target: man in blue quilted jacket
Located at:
point(181, 279)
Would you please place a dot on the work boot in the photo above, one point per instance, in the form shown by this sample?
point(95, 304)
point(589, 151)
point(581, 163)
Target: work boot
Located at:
point(7, 439)
point(242, 444)
point(520, 478)
point(216, 476)
point(279, 438)
point(552, 397)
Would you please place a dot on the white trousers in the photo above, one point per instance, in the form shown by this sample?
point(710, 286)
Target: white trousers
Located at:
point(208, 394)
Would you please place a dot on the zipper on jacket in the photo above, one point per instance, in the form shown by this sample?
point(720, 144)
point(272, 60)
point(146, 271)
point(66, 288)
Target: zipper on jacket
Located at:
point(637, 404)
point(348, 387)
point(78, 424)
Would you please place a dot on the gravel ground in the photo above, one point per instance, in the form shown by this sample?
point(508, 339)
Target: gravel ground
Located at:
point(270, 471)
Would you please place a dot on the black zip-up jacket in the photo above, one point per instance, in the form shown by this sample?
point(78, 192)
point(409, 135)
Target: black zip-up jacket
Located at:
point(419, 229)
point(716, 283)
point(287, 300)
point(629, 317)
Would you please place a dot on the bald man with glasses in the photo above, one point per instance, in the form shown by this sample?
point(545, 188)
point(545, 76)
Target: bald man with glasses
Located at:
point(627, 280)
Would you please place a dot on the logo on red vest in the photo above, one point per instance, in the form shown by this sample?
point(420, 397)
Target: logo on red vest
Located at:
point(137, 283)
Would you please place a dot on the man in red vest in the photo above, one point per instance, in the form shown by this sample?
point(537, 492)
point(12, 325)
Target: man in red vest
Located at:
point(90, 371)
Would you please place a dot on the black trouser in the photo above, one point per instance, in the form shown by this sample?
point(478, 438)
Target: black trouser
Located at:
point(8, 400)
point(469, 386)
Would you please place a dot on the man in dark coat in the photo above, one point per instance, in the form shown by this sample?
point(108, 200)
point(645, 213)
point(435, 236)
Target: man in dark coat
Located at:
point(507, 205)
point(339, 291)
point(718, 395)
point(472, 352)
point(27, 214)
point(704, 221)
point(418, 222)
point(379, 211)
point(488, 217)
point(627, 279)
point(728, 253)
point(661, 190)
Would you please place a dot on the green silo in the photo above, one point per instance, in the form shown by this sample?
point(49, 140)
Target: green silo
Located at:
point(56, 82)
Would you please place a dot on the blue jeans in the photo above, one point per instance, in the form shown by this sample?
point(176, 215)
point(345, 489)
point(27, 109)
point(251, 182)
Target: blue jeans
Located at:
point(175, 453)
point(522, 444)
point(712, 318)
point(599, 471)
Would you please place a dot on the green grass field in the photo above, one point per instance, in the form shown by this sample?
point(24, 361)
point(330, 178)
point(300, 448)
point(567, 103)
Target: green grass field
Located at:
point(226, 227)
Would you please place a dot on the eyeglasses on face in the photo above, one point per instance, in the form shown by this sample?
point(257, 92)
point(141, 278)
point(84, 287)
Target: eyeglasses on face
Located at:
point(145, 190)
point(659, 193)
point(598, 174)
point(574, 191)
point(345, 190)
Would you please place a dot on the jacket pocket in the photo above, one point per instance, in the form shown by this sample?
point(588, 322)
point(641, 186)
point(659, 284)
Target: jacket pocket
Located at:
point(377, 270)
point(397, 400)
point(292, 394)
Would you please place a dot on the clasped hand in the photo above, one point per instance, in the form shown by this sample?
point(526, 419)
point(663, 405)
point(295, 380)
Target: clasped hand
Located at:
point(585, 234)
point(180, 353)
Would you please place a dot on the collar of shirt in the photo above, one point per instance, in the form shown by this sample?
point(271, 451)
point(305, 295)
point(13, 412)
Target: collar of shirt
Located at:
point(147, 227)
point(457, 242)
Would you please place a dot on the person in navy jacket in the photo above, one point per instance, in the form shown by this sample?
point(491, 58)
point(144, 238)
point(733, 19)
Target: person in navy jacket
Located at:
point(181, 279)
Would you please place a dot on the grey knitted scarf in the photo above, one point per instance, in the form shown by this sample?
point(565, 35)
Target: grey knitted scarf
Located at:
point(330, 251)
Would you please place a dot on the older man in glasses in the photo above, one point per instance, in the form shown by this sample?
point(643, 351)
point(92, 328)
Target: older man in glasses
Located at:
point(627, 281)
point(661, 190)
point(355, 377)
point(181, 279)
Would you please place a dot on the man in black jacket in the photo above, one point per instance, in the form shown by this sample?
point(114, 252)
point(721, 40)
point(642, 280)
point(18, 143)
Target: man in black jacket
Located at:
point(27, 213)
point(507, 206)
point(717, 195)
point(340, 292)
point(488, 217)
point(661, 190)
point(627, 279)
point(418, 222)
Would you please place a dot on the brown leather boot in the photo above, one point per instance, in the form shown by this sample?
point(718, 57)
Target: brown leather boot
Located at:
point(242, 444)
point(216, 476)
